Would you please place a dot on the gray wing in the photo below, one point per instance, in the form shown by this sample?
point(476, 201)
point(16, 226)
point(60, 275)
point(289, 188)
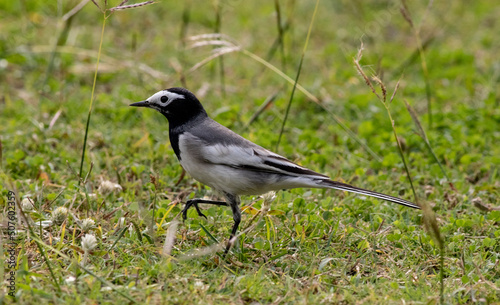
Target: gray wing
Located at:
point(222, 146)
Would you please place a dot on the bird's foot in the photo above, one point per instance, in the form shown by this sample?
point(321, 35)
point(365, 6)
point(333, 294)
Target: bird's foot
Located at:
point(189, 204)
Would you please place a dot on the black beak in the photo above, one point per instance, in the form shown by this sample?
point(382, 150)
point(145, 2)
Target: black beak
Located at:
point(140, 104)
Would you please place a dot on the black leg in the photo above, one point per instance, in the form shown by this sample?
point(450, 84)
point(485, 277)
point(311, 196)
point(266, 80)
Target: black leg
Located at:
point(195, 202)
point(234, 203)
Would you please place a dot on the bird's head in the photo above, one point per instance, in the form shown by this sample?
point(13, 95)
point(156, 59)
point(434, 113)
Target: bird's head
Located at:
point(178, 105)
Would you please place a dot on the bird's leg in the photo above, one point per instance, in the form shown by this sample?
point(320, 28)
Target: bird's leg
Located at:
point(195, 202)
point(234, 203)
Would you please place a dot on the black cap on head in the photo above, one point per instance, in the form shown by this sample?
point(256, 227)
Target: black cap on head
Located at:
point(178, 105)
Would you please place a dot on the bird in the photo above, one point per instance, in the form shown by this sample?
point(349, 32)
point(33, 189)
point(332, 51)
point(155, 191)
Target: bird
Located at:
point(230, 164)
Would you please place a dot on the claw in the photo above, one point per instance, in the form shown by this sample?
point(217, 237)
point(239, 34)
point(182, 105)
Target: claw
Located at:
point(199, 211)
point(189, 204)
point(186, 208)
point(184, 212)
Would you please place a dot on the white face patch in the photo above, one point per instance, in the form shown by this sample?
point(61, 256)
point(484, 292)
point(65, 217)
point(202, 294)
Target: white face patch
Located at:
point(156, 99)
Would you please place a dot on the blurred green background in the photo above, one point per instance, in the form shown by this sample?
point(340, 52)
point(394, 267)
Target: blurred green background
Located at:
point(316, 245)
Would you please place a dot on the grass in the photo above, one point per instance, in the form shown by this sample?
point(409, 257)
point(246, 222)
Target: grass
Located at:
point(298, 70)
point(309, 245)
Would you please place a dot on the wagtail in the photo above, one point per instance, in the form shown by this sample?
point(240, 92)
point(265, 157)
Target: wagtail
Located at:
point(218, 157)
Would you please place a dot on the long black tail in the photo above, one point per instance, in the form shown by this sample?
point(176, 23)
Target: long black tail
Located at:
point(349, 188)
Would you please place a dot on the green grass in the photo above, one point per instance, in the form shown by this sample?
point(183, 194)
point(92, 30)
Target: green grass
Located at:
point(313, 246)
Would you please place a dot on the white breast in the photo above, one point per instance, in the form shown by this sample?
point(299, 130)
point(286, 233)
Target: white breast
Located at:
point(193, 161)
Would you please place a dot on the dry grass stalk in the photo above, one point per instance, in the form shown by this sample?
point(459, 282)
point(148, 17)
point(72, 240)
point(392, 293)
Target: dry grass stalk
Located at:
point(212, 36)
point(413, 114)
point(357, 59)
point(93, 1)
point(120, 6)
point(75, 10)
point(170, 238)
point(406, 13)
point(217, 52)
point(395, 90)
point(203, 43)
point(382, 87)
point(202, 252)
point(124, 7)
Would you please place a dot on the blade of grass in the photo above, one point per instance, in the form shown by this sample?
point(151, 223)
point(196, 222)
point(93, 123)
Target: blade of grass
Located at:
point(272, 51)
point(218, 21)
point(165, 216)
point(83, 182)
point(261, 109)
point(65, 26)
point(423, 62)
point(421, 132)
point(400, 147)
point(154, 202)
point(209, 234)
point(92, 96)
point(106, 14)
point(186, 18)
point(281, 32)
point(117, 239)
point(414, 56)
point(298, 74)
point(137, 230)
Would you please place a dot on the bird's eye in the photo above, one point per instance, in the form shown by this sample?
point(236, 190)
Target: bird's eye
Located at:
point(164, 99)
